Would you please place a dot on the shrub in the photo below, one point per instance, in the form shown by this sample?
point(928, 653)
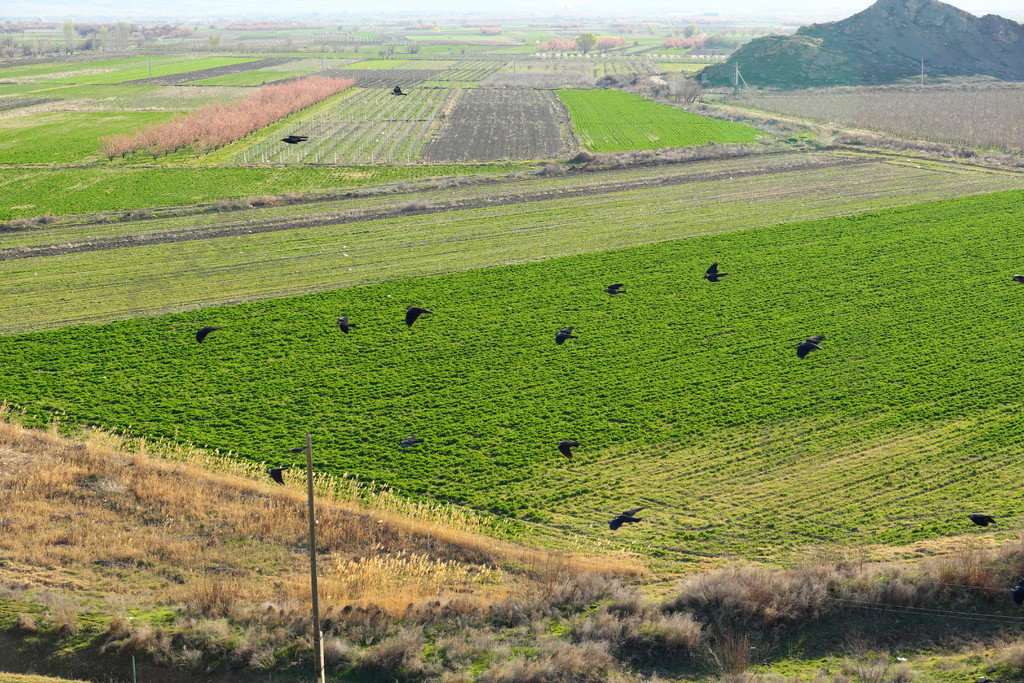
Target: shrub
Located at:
point(413, 207)
point(25, 623)
point(550, 169)
point(397, 657)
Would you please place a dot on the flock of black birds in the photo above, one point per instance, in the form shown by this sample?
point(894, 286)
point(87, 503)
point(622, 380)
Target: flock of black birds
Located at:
point(412, 313)
point(565, 446)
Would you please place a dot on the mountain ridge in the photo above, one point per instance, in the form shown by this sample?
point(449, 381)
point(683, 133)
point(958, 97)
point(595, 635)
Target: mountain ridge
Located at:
point(884, 43)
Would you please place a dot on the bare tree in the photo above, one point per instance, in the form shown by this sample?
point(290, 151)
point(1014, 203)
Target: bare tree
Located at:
point(688, 89)
point(69, 36)
point(121, 33)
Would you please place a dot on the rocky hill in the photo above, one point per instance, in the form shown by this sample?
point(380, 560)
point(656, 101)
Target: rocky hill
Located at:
point(882, 44)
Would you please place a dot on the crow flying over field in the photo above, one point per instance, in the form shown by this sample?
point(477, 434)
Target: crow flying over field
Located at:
point(398, 91)
point(409, 441)
point(564, 447)
point(411, 313)
point(981, 520)
point(811, 344)
point(624, 518)
point(712, 274)
point(294, 139)
point(275, 474)
point(344, 324)
point(1018, 278)
point(614, 289)
point(1018, 593)
point(297, 449)
point(563, 335)
point(203, 331)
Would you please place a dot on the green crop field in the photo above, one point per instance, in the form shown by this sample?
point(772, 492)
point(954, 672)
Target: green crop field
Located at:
point(614, 121)
point(106, 285)
point(69, 91)
point(30, 139)
point(133, 68)
point(687, 397)
point(37, 191)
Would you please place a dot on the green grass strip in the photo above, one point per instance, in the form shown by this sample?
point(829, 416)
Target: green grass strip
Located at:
point(615, 121)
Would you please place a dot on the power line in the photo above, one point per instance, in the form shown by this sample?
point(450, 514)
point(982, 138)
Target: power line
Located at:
point(929, 611)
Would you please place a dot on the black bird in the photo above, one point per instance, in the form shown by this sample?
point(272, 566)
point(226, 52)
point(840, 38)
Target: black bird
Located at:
point(981, 520)
point(614, 289)
point(1018, 593)
point(624, 518)
point(326, 626)
point(409, 441)
point(297, 449)
point(275, 474)
point(811, 344)
point(563, 335)
point(564, 447)
point(398, 91)
point(295, 139)
point(344, 324)
point(412, 312)
point(712, 274)
point(1018, 278)
point(203, 331)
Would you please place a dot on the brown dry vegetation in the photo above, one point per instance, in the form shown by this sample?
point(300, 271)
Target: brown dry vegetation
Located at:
point(983, 115)
point(191, 561)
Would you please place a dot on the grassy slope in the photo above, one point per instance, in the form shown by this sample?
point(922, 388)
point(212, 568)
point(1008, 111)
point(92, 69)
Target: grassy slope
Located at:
point(613, 121)
point(688, 397)
point(114, 551)
point(52, 291)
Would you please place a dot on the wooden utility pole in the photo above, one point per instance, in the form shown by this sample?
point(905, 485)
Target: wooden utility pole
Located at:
point(318, 645)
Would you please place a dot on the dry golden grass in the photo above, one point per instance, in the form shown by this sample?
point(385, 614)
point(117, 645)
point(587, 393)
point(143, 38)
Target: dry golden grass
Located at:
point(140, 524)
point(25, 678)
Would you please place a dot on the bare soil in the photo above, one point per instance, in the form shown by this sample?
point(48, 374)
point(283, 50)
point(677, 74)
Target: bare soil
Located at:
point(489, 124)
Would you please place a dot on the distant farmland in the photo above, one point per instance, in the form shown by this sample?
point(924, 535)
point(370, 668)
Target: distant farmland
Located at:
point(615, 121)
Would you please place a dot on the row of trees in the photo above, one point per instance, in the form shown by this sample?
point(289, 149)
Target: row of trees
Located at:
point(694, 41)
point(121, 36)
point(585, 43)
point(216, 125)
